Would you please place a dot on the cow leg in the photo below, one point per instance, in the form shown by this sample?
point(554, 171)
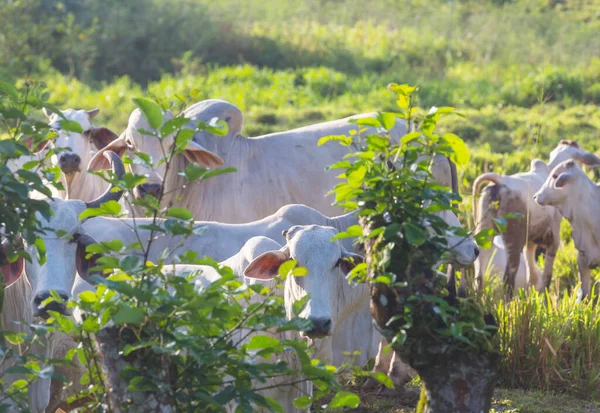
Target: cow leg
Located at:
point(532, 273)
point(451, 277)
point(400, 372)
point(383, 363)
point(514, 242)
point(549, 258)
point(584, 276)
point(481, 266)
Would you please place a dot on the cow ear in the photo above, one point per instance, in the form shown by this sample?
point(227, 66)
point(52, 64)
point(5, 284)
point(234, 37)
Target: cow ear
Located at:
point(349, 260)
point(99, 162)
point(563, 179)
point(92, 113)
point(47, 112)
point(84, 264)
point(30, 143)
point(266, 266)
point(102, 137)
point(11, 271)
point(195, 152)
point(589, 159)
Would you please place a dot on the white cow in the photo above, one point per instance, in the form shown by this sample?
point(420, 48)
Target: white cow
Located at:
point(75, 151)
point(496, 264)
point(221, 241)
point(16, 316)
point(540, 225)
point(272, 170)
point(577, 198)
point(332, 298)
point(205, 275)
point(65, 255)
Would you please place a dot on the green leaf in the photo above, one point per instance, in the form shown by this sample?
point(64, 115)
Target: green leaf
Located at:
point(261, 341)
point(12, 113)
point(70, 126)
point(383, 379)
point(218, 171)
point(387, 120)
point(299, 272)
point(131, 263)
point(151, 111)
point(219, 128)
point(286, 267)
point(415, 235)
point(342, 139)
point(90, 325)
point(302, 402)
point(355, 178)
point(88, 297)
point(108, 208)
point(193, 171)
point(129, 315)
point(461, 151)
point(484, 238)
point(172, 125)
point(404, 89)
point(299, 305)
point(8, 89)
point(344, 399)
point(500, 223)
point(366, 122)
point(180, 213)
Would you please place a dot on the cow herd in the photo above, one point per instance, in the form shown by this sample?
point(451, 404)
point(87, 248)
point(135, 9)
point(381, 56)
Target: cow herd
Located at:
point(273, 208)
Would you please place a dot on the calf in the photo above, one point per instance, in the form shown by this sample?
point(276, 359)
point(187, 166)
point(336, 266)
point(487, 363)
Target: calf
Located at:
point(540, 225)
point(577, 198)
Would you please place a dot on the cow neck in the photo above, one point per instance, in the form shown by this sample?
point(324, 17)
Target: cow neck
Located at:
point(214, 199)
point(84, 186)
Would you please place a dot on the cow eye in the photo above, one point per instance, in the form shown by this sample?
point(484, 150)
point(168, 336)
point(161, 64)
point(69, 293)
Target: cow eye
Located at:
point(75, 238)
point(554, 176)
point(87, 133)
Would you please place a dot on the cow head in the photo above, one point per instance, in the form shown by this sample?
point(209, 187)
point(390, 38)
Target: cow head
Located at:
point(560, 183)
point(568, 149)
point(462, 251)
point(327, 263)
point(134, 140)
point(75, 149)
point(65, 243)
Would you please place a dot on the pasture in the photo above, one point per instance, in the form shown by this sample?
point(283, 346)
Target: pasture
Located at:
point(523, 75)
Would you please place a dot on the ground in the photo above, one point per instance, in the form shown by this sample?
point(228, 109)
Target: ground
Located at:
point(505, 401)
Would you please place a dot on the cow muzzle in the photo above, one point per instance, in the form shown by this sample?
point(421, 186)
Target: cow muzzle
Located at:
point(321, 327)
point(39, 311)
point(154, 190)
point(69, 162)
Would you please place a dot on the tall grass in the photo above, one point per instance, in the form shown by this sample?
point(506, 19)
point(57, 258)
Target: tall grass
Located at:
point(550, 342)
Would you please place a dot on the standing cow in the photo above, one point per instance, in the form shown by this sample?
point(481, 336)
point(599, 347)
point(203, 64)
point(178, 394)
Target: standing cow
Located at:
point(539, 225)
point(272, 170)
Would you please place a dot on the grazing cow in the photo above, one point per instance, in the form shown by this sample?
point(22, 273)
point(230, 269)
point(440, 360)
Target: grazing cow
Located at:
point(540, 225)
point(77, 150)
point(273, 170)
point(573, 193)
